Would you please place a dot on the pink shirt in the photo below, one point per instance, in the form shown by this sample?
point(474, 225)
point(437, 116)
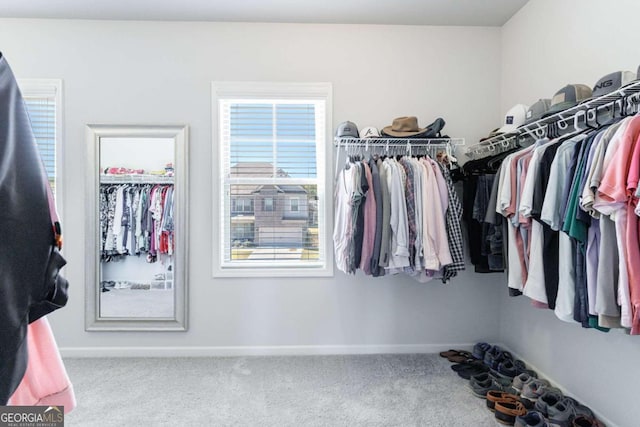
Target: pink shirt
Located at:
point(613, 187)
point(434, 230)
point(613, 194)
point(632, 240)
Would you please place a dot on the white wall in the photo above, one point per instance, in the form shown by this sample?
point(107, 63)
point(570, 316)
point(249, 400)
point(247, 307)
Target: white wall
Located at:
point(160, 73)
point(545, 46)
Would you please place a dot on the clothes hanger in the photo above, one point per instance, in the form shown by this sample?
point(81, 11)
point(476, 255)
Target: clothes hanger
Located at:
point(592, 117)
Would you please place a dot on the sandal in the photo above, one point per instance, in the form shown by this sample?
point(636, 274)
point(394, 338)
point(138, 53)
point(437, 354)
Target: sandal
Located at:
point(456, 356)
point(468, 369)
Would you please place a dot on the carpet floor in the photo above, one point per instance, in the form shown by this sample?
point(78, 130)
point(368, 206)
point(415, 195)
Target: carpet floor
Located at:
point(349, 390)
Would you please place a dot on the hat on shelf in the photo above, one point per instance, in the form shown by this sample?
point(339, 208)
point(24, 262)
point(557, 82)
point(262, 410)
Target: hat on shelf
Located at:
point(567, 97)
point(493, 133)
point(369, 132)
point(347, 130)
point(403, 127)
point(537, 110)
point(515, 117)
point(611, 83)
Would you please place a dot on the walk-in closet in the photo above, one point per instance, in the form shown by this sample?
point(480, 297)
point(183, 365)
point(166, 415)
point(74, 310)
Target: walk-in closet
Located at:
point(271, 213)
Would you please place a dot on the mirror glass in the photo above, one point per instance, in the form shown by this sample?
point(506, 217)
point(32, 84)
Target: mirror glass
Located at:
point(138, 203)
point(136, 227)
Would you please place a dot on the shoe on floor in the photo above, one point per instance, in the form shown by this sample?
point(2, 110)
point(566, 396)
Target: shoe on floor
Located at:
point(507, 369)
point(456, 356)
point(532, 390)
point(480, 349)
point(506, 412)
point(531, 419)
point(480, 389)
point(546, 400)
point(495, 356)
point(519, 381)
point(563, 413)
point(585, 421)
point(494, 396)
point(488, 375)
point(468, 369)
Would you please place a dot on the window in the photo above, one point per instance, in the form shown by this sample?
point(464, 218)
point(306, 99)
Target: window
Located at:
point(268, 204)
point(294, 204)
point(242, 206)
point(272, 155)
point(242, 234)
point(43, 100)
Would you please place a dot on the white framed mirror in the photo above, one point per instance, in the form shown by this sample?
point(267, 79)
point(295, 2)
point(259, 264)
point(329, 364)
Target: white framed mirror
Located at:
point(136, 228)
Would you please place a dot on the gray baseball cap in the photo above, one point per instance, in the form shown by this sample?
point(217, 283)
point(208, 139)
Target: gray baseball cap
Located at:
point(567, 97)
point(537, 110)
point(611, 83)
point(347, 130)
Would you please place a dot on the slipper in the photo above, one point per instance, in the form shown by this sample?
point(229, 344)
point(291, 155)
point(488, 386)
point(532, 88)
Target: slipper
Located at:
point(465, 365)
point(456, 356)
point(461, 359)
point(468, 369)
point(448, 353)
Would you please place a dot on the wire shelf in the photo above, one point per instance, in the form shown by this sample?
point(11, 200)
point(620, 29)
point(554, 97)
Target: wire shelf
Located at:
point(623, 99)
point(136, 179)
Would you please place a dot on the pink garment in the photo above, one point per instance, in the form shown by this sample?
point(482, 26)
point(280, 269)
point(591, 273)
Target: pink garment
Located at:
point(513, 208)
point(369, 232)
point(613, 187)
point(46, 381)
point(442, 185)
point(434, 230)
point(632, 241)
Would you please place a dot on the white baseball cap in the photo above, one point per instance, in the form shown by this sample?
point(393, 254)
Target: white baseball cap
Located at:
point(514, 118)
point(369, 132)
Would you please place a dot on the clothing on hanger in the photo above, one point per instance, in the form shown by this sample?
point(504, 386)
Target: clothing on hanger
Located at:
point(397, 214)
point(571, 224)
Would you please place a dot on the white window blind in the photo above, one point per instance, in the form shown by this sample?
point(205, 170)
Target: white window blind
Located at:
point(42, 99)
point(272, 183)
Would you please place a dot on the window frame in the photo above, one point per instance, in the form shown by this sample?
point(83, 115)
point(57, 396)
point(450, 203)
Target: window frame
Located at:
point(269, 207)
point(273, 90)
point(291, 200)
point(51, 88)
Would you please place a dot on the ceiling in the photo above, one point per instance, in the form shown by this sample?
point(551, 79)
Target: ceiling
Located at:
point(399, 12)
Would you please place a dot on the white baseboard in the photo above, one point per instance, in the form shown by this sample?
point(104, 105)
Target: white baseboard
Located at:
point(542, 374)
point(285, 350)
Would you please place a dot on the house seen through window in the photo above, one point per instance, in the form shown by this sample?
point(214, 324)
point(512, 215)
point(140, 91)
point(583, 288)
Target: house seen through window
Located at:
point(271, 186)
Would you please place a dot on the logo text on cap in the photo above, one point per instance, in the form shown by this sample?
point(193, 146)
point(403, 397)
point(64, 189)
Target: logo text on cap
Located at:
point(604, 84)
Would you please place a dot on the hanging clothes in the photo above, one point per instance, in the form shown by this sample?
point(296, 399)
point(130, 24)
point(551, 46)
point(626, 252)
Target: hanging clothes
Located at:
point(573, 235)
point(136, 219)
point(397, 215)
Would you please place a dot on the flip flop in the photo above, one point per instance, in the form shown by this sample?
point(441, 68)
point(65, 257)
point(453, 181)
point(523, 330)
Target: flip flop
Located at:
point(456, 356)
point(448, 353)
point(466, 370)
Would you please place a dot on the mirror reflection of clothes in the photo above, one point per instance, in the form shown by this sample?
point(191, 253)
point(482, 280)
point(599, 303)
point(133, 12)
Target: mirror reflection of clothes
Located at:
point(136, 219)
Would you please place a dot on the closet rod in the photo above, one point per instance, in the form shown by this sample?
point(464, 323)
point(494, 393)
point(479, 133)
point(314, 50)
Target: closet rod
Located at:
point(136, 179)
point(414, 142)
point(624, 97)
